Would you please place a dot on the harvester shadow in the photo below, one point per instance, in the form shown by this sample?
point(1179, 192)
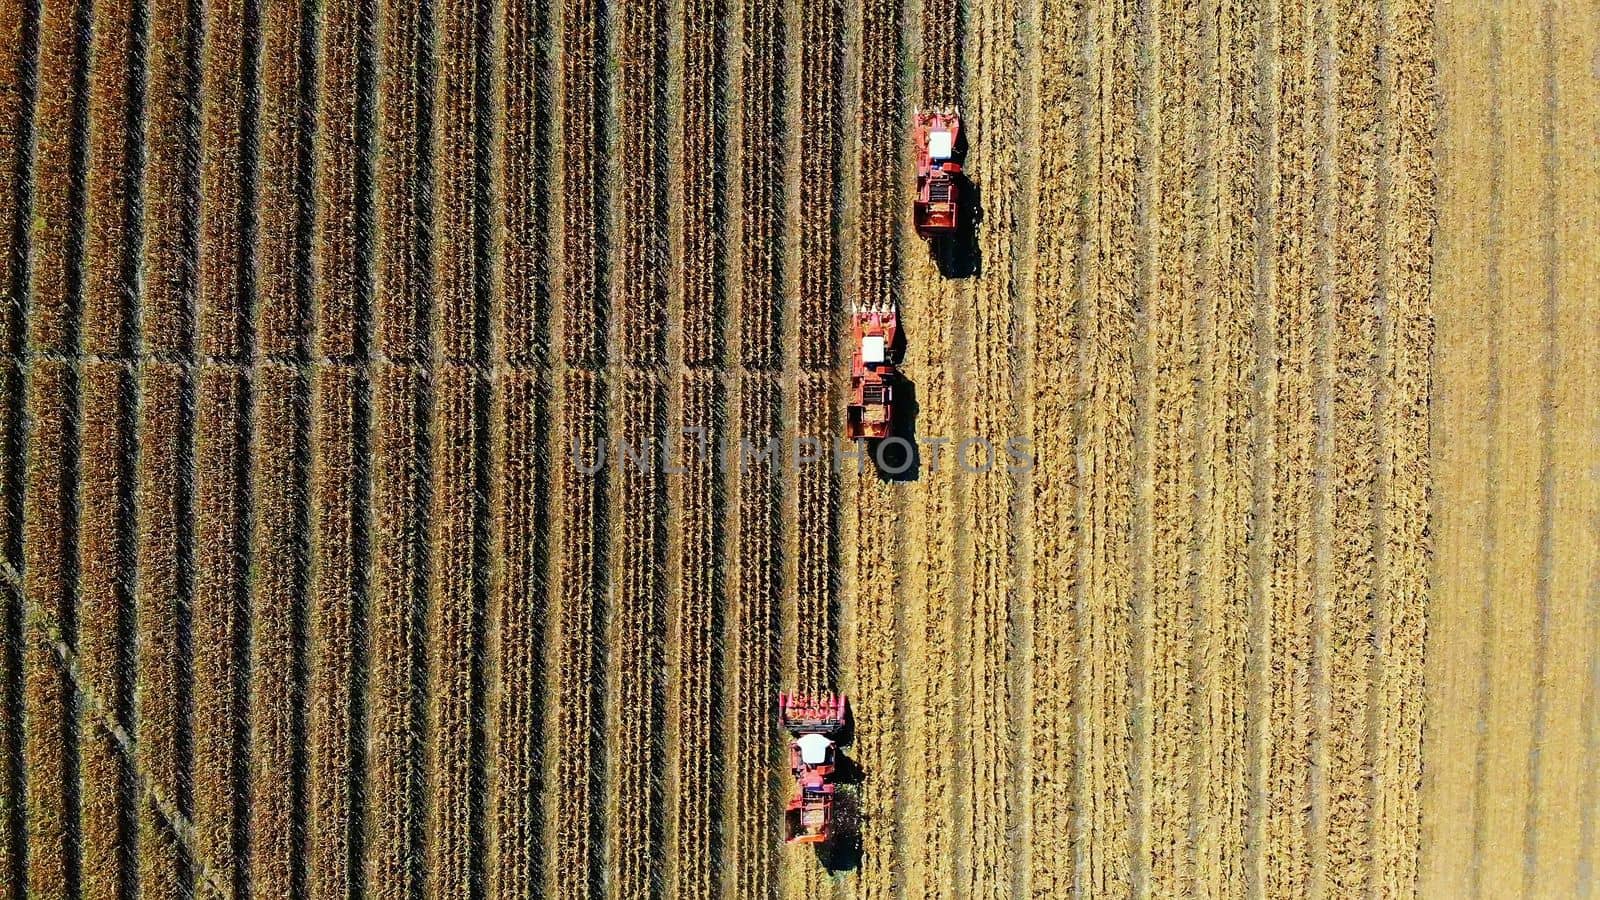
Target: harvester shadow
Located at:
point(896, 457)
point(841, 852)
point(958, 255)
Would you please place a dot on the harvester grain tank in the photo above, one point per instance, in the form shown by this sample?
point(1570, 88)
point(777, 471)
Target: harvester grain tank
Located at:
point(937, 134)
point(813, 722)
point(873, 376)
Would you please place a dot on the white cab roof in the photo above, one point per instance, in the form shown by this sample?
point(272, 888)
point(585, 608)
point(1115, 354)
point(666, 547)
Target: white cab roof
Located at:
point(939, 146)
point(872, 349)
point(814, 748)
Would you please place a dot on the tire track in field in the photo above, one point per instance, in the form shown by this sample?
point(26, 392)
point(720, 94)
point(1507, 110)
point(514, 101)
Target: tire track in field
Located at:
point(1064, 159)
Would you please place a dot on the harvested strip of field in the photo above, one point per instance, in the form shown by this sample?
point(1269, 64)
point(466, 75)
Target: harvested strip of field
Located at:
point(1169, 436)
point(695, 680)
point(225, 107)
point(1349, 652)
point(636, 634)
point(750, 812)
point(18, 32)
point(338, 592)
point(12, 402)
point(162, 691)
point(761, 185)
point(403, 157)
point(520, 610)
point(583, 300)
point(49, 740)
point(817, 489)
point(1294, 573)
point(342, 182)
point(171, 184)
point(573, 765)
point(56, 232)
point(393, 836)
point(283, 210)
point(454, 633)
point(109, 253)
point(1406, 348)
point(459, 235)
point(1057, 495)
point(102, 622)
point(820, 200)
point(220, 622)
point(278, 507)
point(526, 136)
point(874, 686)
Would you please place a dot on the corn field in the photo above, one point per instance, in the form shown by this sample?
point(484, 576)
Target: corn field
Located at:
point(421, 458)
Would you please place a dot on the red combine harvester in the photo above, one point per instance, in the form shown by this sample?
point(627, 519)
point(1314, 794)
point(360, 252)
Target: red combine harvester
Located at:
point(812, 721)
point(873, 375)
point(937, 134)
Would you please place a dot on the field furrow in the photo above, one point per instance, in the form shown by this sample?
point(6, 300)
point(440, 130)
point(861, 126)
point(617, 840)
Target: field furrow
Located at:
point(220, 622)
point(1104, 460)
point(343, 144)
point(1293, 407)
point(583, 301)
point(277, 630)
point(164, 616)
point(1171, 403)
point(403, 157)
point(641, 288)
point(338, 595)
point(60, 119)
point(392, 837)
point(519, 608)
point(820, 200)
point(697, 676)
point(50, 746)
point(283, 210)
point(752, 751)
point(1057, 495)
point(1407, 342)
point(112, 186)
point(573, 765)
point(637, 630)
point(102, 622)
point(454, 635)
point(1349, 654)
point(170, 190)
point(226, 108)
point(19, 23)
point(526, 137)
point(459, 237)
point(1227, 373)
point(12, 403)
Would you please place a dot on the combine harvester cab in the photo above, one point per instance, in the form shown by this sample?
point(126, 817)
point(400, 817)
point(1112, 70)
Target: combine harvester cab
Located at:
point(937, 134)
point(873, 376)
point(813, 722)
